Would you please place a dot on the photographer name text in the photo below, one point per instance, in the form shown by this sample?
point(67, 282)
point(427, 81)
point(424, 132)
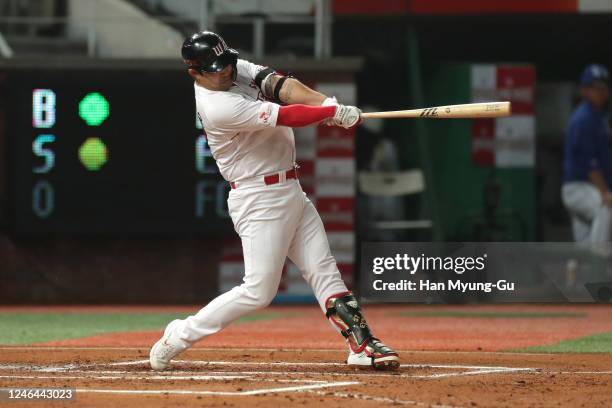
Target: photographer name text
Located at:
point(450, 285)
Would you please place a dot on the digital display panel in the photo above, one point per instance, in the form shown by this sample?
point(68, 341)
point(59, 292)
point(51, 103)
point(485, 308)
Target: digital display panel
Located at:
point(118, 153)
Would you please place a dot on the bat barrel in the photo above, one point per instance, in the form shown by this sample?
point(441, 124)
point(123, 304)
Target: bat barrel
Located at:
point(464, 111)
point(478, 110)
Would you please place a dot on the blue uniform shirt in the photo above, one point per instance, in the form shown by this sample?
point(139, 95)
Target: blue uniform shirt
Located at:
point(587, 145)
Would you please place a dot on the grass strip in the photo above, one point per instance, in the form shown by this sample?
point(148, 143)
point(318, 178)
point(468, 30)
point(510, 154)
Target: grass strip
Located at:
point(28, 328)
point(596, 343)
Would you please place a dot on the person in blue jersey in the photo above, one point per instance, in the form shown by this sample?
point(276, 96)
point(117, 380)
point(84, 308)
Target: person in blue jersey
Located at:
point(587, 165)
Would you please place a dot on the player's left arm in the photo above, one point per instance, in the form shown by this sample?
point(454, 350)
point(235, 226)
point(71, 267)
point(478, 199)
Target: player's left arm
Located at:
point(286, 90)
point(297, 98)
point(292, 91)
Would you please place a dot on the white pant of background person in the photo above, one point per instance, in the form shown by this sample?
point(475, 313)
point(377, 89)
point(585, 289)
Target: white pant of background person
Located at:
point(591, 219)
point(273, 222)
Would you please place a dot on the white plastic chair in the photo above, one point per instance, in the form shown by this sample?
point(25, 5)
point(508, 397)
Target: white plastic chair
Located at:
point(393, 184)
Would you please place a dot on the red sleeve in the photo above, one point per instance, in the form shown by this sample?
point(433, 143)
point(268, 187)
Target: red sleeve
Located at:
point(303, 115)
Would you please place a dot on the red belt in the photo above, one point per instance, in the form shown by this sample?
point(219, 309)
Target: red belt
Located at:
point(275, 178)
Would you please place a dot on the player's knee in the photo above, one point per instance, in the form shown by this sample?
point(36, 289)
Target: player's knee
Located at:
point(266, 297)
point(260, 298)
point(261, 301)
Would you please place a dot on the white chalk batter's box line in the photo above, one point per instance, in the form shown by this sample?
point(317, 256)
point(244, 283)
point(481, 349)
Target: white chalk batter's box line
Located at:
point(298, 388)
point(66, 367)
point(94, 373)
point(159, 377)
point(468, 370)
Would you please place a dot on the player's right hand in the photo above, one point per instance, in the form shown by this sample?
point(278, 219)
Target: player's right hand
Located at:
point(347, 116)
point(329, 101)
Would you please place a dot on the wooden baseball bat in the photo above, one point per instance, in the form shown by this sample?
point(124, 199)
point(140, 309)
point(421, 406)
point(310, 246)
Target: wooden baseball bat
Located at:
point(465, 111)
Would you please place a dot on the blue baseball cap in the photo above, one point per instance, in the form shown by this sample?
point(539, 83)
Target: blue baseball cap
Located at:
point(594, 73)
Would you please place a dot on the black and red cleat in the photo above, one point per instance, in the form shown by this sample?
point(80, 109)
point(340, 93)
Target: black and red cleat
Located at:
point(374, 354)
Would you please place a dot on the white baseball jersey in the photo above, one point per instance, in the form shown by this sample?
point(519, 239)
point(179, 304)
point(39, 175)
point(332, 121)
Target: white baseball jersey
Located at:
point(240, 126)
point(273, 221)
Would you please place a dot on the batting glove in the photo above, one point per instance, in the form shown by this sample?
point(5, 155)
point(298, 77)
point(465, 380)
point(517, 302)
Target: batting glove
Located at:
point(347, 116)
point(330, 101)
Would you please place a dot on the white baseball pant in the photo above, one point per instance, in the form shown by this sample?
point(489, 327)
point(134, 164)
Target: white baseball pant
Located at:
point(273, 222)
point(591, 219)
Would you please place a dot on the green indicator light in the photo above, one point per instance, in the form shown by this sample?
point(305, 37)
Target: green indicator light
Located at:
point(93, 154)
point(94, 109)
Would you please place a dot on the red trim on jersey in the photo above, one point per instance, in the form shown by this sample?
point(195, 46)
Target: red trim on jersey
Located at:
point(303, 115)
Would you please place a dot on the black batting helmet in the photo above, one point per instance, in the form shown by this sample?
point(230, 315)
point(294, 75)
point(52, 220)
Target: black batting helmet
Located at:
point(207, 52)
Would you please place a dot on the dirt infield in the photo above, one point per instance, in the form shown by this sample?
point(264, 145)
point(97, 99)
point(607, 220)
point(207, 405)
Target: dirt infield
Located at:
point(450, 358)
point(264, 378)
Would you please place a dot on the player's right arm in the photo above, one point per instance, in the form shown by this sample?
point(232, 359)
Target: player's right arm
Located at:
point(231, 113)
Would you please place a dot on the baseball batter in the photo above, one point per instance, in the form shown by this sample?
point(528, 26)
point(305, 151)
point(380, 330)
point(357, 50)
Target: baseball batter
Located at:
point(247, 112)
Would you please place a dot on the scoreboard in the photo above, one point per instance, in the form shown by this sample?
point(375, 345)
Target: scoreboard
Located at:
point(108, 152)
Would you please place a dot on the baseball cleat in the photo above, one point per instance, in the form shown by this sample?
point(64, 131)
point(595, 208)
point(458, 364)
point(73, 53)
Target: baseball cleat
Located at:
point(374, 354)
point(166, 348)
